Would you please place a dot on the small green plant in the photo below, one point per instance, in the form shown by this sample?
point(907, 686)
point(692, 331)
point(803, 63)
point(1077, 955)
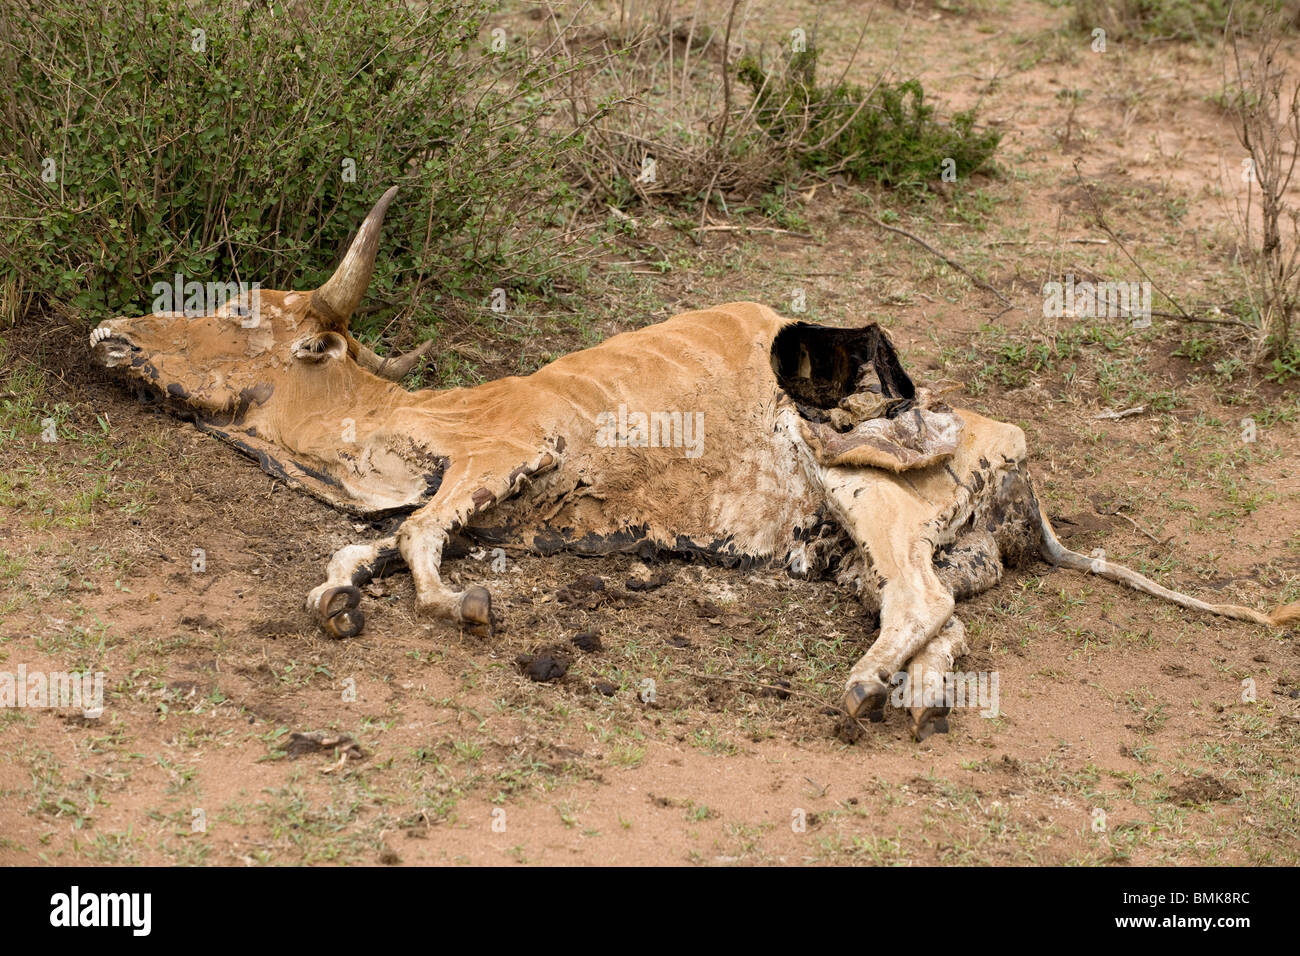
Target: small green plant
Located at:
point(888, 135)
point(139, 140)
point(1196, 349)
point(1285, 365)
point(1201, 20)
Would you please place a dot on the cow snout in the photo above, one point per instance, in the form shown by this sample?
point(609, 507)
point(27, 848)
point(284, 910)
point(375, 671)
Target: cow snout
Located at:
point(110, 346)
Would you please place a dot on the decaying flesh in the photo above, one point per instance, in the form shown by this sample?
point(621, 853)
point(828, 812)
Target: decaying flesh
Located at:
point(770, 441)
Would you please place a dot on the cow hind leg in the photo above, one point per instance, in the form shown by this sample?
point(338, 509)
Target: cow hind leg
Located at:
point(926, 672)
point(914, 605)
point(967, 567)
point(918, 590)
point(887, 525)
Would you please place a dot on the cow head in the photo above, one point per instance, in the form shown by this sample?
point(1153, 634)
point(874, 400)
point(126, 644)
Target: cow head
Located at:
point(275, 373)
point(206, 360)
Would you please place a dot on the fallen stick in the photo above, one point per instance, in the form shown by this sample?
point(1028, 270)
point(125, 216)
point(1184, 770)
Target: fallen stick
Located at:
point(771, 229)
point(1184, 317)
point(1182, 314)
point(1145, 531)
point(1111, 416)
point(956, 265)
point(1037, 242)
point(1166, 540)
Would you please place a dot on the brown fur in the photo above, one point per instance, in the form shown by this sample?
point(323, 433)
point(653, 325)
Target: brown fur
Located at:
point(544, 459)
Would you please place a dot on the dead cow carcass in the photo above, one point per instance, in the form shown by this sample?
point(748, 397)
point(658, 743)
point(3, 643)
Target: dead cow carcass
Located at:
point(730, 433)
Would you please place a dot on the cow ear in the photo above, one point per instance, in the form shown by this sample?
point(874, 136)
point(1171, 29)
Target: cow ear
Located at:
point(338, 298)
point(319, 348)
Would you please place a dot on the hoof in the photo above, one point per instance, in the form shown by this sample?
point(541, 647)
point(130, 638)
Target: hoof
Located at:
point(866, 700)
point(932, 720)
point(339, 614)
point(476, 611)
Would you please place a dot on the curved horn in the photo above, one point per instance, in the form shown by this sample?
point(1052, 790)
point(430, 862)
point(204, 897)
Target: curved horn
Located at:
point(341, 293)
point(394, 368)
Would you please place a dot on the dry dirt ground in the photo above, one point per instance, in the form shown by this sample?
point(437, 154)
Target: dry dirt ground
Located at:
point(1124, 737)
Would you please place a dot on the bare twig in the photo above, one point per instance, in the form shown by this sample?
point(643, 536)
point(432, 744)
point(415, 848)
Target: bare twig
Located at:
point(1126, 413)
point(771, 229)
point(1160, 541)
point(1267, 107)
point(1202, 320)
point(720, 144)
point(956, 265)
point(1118, 511)
point(1182, 313)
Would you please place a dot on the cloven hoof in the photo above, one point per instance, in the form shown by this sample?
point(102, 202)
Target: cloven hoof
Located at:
point(476, 611)
point(932, 720)
point(346, 620)
point(866, 700)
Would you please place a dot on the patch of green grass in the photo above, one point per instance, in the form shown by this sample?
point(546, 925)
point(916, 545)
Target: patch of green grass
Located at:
point(1200, 20)
point(887, 135)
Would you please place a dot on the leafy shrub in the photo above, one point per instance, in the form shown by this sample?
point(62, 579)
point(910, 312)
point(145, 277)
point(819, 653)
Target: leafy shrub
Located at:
point(250, 144)
point(889, 134)
point(1178, 19)
point(664, 130)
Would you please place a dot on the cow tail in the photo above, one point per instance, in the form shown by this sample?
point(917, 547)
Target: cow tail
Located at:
point(1062, 557)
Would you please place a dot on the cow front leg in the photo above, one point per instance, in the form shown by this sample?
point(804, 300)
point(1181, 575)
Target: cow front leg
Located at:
point(424, 535)
point(422, 543)
point(926, 673)
point(336, 603)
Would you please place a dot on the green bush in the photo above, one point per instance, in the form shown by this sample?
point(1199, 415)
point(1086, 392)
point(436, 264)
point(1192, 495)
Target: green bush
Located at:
point(218, 141)
point(889, 135)
point(1179, 19)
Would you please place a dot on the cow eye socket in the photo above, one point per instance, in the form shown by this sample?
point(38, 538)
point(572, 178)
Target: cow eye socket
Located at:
point(317, 348)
